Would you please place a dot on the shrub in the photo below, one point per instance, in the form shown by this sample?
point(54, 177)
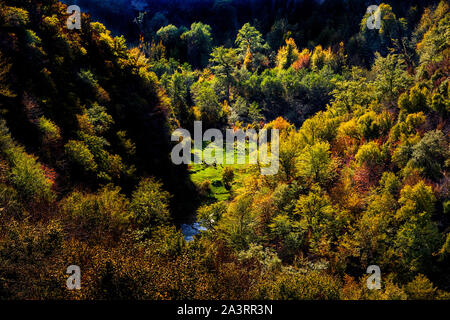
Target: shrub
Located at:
point(204, 188)
point(369, 154)
point(313, 285)
point(50, 130)
point(414, 121)
point(14, 17)
point(168, 241)
point(414, 101)
point(96, 215)
point(26, 173)
point(227, 177)
point(316, 164)
point(149, 205)
point(209, 215)
point(100, 120)
point(29, 178)
point(368, 125)
point(87, 77)
point(79, 153)
point(420, 289)
point(430, 154)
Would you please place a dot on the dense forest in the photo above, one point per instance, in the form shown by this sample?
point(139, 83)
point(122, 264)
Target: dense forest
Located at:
point(86, 177)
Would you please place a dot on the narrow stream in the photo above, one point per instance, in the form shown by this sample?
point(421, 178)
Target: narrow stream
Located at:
point(190, 230)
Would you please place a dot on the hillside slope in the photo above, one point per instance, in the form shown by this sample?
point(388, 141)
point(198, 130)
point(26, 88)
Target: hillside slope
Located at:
point(86, 180)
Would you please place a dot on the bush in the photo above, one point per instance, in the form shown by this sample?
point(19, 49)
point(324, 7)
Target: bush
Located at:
point(420, 289)
point(369, 155)
point(168, 240)
point(26, 173)
point(431, 154)
point(204, 188)
point(27, 249)
point(29, 178)
point(14, 17)
point(227, 177)
point(97, 215)
point(149, 205)
point(79, 153)
point(209, 215)
point(316, 164)
point(313, 285)
point(414, 101)
point(9, 201)
point(414, 121)
point(50, 130)
point(368, 125)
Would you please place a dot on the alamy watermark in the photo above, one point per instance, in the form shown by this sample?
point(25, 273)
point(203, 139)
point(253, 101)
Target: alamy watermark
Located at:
point(374, 20)
point(374, 281)
point(74, 21)
point(241, 147)
point(74, 280)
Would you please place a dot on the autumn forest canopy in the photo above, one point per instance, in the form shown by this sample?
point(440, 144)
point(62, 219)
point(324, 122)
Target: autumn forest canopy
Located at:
point(86, 177)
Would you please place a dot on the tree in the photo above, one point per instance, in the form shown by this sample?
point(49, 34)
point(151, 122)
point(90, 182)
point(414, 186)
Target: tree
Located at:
point(223, 62)
point(421, 288)
point(208, 104)
point(209, 215)
point(255, 113)
point(199, 43)
point(433, 41)
point(237, 225)
point(318, 58)
point(303, 61)
point(99, 119)
point(170, 38)
point(356, 91)
point(79, 154)
point(25, 173)
point(315, 163)
point(251, 43)
point(391, 28)
point(278, 33)
point(369, 155)
point(289, 233)
point(289, 151)
point(418, 237)
point(14, 16)
point(368, 125)
point(391, 77)
point(430, 154)
point(94, 216)
point(440, 104)
point(168, 34)
point(287, 55)
point(316, 214)
point(249, 37)
point(178, 87)
point(414, 101)
point(5, 67)
point(50, 131)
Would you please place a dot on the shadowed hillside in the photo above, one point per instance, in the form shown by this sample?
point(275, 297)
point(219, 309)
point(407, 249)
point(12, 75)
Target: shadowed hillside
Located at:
point(86, 177)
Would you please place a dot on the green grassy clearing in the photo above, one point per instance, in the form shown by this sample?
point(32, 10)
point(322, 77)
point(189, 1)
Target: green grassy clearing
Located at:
point(213, 173)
